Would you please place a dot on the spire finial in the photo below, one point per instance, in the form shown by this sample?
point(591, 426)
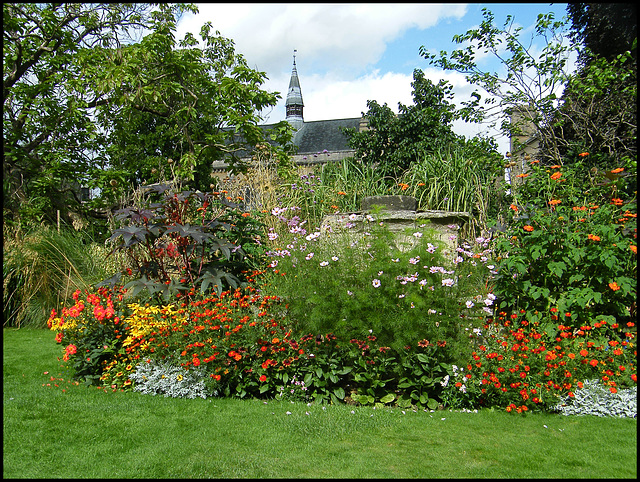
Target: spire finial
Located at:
point(294, 56)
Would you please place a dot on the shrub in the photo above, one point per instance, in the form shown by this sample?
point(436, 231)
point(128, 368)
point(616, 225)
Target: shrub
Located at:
point(91, 330)
point(519, 364)
point(595, 399)
point(350, 279)
point(187, 242)
point(569, 246)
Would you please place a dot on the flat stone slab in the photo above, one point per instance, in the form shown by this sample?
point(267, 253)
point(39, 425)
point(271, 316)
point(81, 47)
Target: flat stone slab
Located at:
point(445, 223)
point(389, 203)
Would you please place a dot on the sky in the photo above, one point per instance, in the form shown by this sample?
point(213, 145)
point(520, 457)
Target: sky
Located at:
point(347, 54)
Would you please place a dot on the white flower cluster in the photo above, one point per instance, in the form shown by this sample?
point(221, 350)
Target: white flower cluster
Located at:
point(169, 380)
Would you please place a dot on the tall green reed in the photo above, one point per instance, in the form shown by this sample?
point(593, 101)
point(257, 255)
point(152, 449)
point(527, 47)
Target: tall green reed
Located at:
point(44, 268)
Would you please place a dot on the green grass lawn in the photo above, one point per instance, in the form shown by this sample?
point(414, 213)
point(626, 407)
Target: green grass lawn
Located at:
point(72, 431)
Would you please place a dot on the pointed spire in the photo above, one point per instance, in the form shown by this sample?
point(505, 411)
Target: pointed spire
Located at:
point(294, 104)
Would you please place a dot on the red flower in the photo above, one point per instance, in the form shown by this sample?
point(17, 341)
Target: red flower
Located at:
point(263, 378)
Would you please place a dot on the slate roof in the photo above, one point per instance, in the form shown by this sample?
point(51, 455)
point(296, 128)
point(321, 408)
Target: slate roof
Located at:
point(316, 136)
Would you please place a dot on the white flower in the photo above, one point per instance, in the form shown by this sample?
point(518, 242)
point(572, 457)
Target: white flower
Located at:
point(447, 282)
point(272, 236)
point(417, 234)
point(334, 258)
point(469, 304)
point(445, 381)
point(309, 256)
point(376, 283)
point(324, 263)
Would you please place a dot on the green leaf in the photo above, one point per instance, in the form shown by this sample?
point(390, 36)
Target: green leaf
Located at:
point(339, 392)
point(423, 358)
point(388, 398)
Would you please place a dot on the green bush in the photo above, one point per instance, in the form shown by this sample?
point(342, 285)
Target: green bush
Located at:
point(571, 244)
point(350, 279)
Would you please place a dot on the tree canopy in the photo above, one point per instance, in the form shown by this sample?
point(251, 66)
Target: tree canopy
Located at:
point(394, 142)
point(87, 104)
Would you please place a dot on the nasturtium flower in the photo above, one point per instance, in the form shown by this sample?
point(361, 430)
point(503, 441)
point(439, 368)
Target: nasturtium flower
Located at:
point(556, 175)
point(528, 228)
point(614, 286)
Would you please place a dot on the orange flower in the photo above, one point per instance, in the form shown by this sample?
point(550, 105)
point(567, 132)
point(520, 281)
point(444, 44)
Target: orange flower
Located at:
point(528, 228)
point(556, 167)
point(535, 162)
point(556, 175)
point(246, 215)
point(633, 248)
point(584, 352)
point(583, 154)
point(593, 363)
point(514, 207)
point(523, 175)
point(554, 202)
point(342, 193)
point(617, 202)
point(593, 237)
point(616, 171)
point(614, 286)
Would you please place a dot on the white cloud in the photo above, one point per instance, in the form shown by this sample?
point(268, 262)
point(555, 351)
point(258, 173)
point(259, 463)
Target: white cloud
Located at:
point(338, 48)
point(326, 35)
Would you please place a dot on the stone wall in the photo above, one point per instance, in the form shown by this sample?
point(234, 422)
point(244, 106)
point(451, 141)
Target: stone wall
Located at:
point(399, 213)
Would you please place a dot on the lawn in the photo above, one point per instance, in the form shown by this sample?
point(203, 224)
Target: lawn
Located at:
point(53, 428)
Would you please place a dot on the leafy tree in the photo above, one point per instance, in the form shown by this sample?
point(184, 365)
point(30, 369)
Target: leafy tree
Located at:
point(599, 114)
point(531, 82)
point(47, 131)
point(604, 29)
point(598, 109)
point(114, 116)
point(394, 142)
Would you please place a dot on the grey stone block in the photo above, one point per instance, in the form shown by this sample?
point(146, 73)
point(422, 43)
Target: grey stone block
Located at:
point(389, 203)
